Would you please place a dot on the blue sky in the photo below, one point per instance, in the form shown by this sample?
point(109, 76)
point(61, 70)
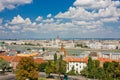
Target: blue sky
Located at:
point(21, 19)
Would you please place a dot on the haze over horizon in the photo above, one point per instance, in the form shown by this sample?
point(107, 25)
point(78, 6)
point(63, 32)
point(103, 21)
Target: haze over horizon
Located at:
point(22, 19)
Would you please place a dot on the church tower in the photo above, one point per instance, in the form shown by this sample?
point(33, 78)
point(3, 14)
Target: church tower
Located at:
point(63, 50)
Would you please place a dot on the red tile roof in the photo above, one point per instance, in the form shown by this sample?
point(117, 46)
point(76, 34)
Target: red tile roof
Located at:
point(73, 59)
point(18, 58)
point(7, 58)
point(107, 60)
point(39, 60)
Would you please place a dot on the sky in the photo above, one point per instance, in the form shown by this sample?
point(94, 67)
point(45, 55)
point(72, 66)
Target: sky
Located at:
point(26, 19)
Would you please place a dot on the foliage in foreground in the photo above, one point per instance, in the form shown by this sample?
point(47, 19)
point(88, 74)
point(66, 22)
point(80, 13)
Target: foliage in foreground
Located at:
point(42, 66)
point(109, 71)
point(27, 69)
point(72, 72)
point(57, 66)
point(3, 65)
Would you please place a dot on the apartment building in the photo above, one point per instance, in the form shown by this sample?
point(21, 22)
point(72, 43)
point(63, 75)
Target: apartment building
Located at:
point(77, 63)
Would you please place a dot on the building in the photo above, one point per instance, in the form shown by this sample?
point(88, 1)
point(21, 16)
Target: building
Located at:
point(79, 62)
point(14, 60)
point(94, 45)
point(76, 62)
point(110, 55)
point(49, 55)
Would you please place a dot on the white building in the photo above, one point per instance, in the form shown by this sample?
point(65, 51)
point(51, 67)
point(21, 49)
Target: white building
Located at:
point(113, 55)
point(109, 46)
point(94, 45)
point(77, 63)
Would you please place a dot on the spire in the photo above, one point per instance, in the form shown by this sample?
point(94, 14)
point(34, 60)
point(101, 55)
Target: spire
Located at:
point(63, 49)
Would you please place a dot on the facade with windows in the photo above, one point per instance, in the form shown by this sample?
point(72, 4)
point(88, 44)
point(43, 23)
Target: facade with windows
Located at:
point(77, 63)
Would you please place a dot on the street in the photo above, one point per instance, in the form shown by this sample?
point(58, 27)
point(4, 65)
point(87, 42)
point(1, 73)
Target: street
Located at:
point(9, 76)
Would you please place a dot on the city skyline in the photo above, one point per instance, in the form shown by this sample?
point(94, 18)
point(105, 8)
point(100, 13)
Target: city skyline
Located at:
point(66, 18)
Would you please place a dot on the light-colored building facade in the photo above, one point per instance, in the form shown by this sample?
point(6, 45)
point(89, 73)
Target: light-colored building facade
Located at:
point(77, 63)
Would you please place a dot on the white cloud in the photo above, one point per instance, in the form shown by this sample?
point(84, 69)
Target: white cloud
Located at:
point(27, 21)
point(15, 27)
point(88, 23)
point(77, 21)
point(39, 18)
point(18, 25)
point(17, 20)
point(78, 13)
point(113, 19)
point(10, 4)
point(48, 20)
point(54, 26)
point(49, 15)
point(82, 2)
point(108, 12)
point(81, 23)
point(1, 7)
point(92, 20)
point(34, 24)
point(29, 29)
point(95, 4)
point(20, 20)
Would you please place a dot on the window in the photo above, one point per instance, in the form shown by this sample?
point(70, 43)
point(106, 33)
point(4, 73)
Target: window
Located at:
point(80, 66)
point(76, 64)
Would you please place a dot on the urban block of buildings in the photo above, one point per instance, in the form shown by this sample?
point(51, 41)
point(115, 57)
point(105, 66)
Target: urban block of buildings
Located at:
point(78, 62)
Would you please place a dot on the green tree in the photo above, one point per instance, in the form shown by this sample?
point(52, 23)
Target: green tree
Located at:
point(112, 70)
point(95, 67)
point(27, 69)
point(55, 58)
point(84, 72)
point(49, 68)
point(56, 66)
point(107, 69)
point(55, 69)
point(3, 65)
point(43, 49)
point(63, 68)
point(28, 49)
point(42, 66)
point(116, 70)
point(62, 65)
point(100, 73)
point(92, 68)
point(96, 63)
point(90, 64)
point(72, 71)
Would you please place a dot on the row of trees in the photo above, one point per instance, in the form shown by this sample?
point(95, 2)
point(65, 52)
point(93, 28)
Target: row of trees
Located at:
point(28, 69)
point(58, 65)
point(109, 71)
point(81, 45)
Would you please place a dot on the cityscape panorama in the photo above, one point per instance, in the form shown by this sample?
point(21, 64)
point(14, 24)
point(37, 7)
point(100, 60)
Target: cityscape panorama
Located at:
point(59, 39)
